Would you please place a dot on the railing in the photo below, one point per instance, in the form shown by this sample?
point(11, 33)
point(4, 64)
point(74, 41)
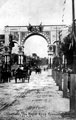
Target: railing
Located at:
point(66, 80)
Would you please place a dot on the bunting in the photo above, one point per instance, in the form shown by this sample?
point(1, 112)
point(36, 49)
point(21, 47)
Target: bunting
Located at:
point(64, 3)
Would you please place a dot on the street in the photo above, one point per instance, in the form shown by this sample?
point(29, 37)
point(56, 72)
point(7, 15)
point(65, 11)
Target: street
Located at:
point(40, 99)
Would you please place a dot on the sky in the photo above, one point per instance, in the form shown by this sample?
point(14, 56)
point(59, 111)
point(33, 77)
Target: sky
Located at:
point(37, 45)
point(23, 12)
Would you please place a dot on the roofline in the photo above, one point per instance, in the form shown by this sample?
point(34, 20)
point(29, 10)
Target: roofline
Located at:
point(38, 25)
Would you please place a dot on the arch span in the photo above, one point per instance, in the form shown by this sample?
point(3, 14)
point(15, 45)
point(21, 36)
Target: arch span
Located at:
point(45, 36)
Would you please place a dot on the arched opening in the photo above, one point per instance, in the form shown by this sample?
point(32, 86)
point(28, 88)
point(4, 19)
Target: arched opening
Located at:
point(36, 44)
point(33, 45)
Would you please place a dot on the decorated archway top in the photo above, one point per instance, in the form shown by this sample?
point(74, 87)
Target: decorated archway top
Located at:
point(42, 34)
point(21, 33)
point(36, 30)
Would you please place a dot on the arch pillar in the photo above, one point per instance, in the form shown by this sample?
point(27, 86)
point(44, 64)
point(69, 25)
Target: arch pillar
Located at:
point(19, 41)
point(7, 32)
point(49, 61)
point(20, 55)
point(51, 53)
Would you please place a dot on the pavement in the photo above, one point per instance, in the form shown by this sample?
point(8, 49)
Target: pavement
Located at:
point(40, 99)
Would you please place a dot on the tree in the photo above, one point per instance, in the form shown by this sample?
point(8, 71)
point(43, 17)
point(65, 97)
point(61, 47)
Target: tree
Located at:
point(68, 47)
point(34, 55)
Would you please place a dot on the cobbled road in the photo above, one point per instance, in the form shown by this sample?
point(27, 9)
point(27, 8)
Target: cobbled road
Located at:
point(40, 99)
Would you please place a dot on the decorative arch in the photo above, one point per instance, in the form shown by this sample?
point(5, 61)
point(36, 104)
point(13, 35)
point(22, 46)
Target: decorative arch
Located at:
point(42, 34)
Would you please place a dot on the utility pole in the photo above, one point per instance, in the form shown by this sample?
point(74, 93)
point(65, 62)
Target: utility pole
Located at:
point(73, 75)
point(74, 35)
point(73, 17)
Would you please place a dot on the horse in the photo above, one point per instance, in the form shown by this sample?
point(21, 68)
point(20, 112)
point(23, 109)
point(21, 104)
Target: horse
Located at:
point(22, 74)
point(5, 76)
point(38, 70)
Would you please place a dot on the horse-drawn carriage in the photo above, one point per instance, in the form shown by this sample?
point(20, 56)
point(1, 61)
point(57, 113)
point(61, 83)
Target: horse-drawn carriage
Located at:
point(38, 70)
point(16, 73)
point(22, 74)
